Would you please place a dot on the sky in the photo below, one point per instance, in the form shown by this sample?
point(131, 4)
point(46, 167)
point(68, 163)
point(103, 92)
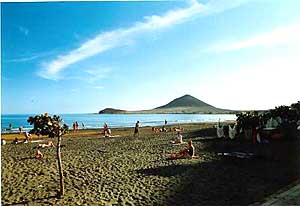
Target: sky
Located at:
point(81, 57)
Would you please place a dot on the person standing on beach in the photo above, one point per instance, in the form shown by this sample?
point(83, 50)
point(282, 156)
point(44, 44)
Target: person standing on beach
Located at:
point(166, 122)
point(105, 129)
point(83, 127)
point(136, 129)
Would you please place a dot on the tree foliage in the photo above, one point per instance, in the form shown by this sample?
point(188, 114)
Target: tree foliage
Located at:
point(288, 114)
point(46, 125)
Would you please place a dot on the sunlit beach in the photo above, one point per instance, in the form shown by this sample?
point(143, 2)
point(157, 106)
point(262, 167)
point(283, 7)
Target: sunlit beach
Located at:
point(142, 103)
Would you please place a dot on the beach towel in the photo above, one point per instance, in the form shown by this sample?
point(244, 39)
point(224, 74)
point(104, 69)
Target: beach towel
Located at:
point(39, 140)
point(232, 131)
point(272, 123)
point(178, 143)
point(112, 136)
point(258, 139)
point(220, 132)
point(237, 154)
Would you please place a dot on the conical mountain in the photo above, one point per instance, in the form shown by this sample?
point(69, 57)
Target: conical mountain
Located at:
point(186, 104)
point(185, 101)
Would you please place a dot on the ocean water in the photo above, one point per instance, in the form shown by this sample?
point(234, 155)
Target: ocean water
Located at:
point(115, 120)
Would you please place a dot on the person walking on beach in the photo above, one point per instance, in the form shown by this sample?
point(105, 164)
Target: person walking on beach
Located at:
point(10, 126)
point(83, 127)
point(164, 129)
point(20, 129)
point(136, 129)
point(76, 125)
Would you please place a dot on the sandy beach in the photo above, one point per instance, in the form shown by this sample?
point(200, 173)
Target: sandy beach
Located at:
point(124, 170)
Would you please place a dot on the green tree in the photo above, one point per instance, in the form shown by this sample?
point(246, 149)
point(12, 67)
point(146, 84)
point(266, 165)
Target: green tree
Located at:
point(52, 127)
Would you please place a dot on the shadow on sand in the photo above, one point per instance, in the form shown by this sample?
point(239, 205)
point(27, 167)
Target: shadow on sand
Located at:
point(166, 171)
point(42, 200)
point(229, 180)
point(206, 132)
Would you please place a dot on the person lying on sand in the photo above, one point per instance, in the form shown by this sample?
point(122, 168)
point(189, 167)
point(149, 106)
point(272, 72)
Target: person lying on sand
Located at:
point(155, 129)
point(178, 140)
point(17, 141)
point(49, 144)
point(178, 129)
point(188, 152)
point(39, 154)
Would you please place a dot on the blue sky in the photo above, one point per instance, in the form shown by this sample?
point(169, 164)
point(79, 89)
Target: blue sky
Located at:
point(79, 57)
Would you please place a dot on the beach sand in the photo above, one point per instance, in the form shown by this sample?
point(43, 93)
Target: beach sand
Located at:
point(135, 171)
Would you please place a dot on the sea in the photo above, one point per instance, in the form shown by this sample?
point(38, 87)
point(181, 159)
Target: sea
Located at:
point(93, 121)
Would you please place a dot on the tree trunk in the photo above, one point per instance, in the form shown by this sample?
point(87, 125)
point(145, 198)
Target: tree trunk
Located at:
point(60, 169)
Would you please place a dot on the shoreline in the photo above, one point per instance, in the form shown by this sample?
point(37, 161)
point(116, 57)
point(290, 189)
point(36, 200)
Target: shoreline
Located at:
point(7, 132)
point(114, 121)
point(121, 131)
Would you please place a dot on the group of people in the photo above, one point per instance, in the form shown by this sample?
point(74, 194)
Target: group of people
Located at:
point(189, 151)
point(75, 126)
point(157, 130)
point(27, 138)
point(165, 129)
point(38, 153)
point(107, 131)
point(10, 127)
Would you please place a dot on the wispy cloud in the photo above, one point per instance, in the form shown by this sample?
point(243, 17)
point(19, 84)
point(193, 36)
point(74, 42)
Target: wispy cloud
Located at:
point(122, 36)
point(94, 75)
point(74, 90)
point(90, 76)
point(29, 57)
point(98, 73)
point(284, 35)
point(23, 30)
point(24, 59)
point(98, 87)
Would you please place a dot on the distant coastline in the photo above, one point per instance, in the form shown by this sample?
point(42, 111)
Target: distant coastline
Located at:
point(186, 104)
point(185, 110)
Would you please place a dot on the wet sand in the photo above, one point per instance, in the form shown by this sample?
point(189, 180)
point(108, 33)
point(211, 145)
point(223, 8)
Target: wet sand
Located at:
point(135, 171)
